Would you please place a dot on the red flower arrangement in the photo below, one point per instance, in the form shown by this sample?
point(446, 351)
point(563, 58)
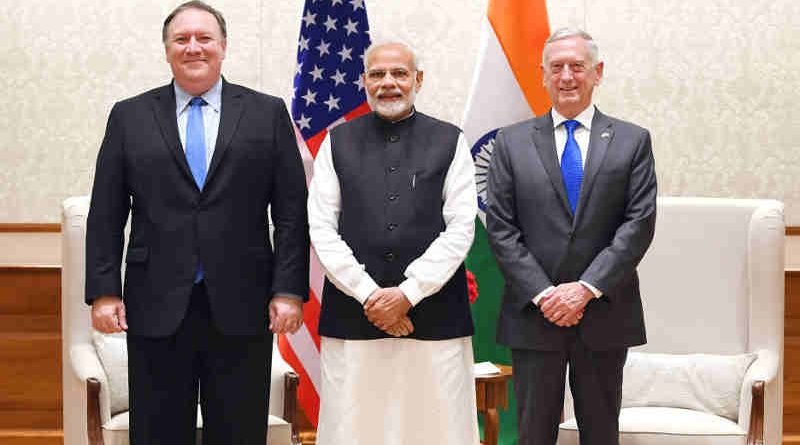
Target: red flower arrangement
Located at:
point(472, 287)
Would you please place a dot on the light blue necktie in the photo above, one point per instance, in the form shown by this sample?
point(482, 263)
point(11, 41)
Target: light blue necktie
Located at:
point(196, 153)
point(572, 165)
point(196, 141)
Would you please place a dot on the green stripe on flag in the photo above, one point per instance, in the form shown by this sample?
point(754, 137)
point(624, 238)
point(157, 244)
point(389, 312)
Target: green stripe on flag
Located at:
point(481, 263)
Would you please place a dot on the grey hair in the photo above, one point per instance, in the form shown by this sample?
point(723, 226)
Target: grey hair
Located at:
point(567, 32)
point(195, 4)
point(378, 44)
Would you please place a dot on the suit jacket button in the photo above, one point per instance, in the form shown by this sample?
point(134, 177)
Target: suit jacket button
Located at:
point(389, 257)
point(392, 197)
point(394, 138)
point(391, 226)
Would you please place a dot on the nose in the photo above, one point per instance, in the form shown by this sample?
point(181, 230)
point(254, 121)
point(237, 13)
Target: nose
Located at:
point(193, 45)
point(388, 81)
point(566, 73)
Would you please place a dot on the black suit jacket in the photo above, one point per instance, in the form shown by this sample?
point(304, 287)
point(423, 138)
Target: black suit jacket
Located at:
point(538, 242)
point(142, 170)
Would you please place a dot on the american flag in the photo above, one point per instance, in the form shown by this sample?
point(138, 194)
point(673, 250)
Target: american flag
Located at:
point(328, 90)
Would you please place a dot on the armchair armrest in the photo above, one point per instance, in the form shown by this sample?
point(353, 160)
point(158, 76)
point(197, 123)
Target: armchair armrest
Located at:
point(761, 373)
point(94, 426)
point(87, 367)
point(86, 364)
point(291, 381)
point(755, 433)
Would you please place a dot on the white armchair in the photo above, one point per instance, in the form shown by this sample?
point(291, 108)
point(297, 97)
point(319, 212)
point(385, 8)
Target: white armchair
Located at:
point(94, 370)
point(712, 288)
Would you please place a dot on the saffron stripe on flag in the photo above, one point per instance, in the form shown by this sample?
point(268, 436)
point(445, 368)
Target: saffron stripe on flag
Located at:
point(521, 27)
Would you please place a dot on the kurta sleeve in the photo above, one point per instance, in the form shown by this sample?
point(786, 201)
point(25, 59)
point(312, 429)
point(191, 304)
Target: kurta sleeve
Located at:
point(428, 273)
point(324, 206)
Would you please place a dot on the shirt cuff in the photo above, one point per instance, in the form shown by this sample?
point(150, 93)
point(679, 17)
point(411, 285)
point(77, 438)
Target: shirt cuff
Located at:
point(365, 289)
point(288, 295)
point(536, 299)
point(597, 292)
point(411, 290)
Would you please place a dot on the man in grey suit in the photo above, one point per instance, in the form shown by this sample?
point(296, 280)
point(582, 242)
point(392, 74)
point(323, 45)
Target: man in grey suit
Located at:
point(571, 212)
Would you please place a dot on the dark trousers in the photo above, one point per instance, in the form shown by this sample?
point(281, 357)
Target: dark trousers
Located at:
point(595, 378)
point(229, 375)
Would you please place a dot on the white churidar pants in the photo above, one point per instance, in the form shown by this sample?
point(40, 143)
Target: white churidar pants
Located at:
point(397, 391)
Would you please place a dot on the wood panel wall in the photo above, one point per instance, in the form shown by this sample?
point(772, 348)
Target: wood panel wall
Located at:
point(30, 355)
point(791, 359)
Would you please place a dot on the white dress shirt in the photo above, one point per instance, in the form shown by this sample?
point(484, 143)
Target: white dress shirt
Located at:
point(211, 115)
point(582, 133)
point(426, 274)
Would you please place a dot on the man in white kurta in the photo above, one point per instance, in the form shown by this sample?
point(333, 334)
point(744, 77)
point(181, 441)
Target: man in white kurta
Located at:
point(392, 206)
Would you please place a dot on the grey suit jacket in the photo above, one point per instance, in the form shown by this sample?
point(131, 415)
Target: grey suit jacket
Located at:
point(538, 242)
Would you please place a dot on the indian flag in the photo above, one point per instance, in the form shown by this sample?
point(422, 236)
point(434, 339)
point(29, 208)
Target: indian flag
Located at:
point(506, 88)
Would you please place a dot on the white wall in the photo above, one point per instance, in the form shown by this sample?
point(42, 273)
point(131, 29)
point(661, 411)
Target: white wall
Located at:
point(715, 81)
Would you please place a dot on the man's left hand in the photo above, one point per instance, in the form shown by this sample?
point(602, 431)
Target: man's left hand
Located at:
point(285, 315)
point(386, 306)
point(564, 305)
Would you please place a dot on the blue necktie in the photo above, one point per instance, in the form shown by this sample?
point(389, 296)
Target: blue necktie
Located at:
point(196, 153)
point(572, 165)
point(196, 141)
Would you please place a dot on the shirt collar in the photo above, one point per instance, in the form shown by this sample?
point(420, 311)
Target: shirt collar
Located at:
point(584, 117)
point(213, 97)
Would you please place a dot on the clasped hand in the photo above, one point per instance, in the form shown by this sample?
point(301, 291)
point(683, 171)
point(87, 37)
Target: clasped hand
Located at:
point(386, 308)
point(564, 305)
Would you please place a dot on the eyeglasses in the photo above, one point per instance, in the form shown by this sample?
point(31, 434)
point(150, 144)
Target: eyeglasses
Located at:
point(398, 74)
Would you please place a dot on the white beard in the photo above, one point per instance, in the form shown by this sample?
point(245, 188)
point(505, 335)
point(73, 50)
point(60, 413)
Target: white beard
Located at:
point(392, 110)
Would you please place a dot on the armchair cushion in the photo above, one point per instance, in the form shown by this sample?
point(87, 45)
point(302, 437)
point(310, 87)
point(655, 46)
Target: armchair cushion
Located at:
point(113, 352)
point(115, 431)
point(699, 382)
point(650, 425)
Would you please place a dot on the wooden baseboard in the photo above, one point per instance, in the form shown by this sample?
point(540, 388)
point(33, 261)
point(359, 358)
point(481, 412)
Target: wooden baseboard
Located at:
point(31, 437)
point(29, 228)
point(791, 439)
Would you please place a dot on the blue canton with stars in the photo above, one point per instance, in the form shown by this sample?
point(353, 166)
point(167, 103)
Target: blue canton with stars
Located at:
point(330, 60)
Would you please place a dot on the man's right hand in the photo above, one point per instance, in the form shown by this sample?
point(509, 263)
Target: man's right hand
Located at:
point(108, 314)
point(402, 328)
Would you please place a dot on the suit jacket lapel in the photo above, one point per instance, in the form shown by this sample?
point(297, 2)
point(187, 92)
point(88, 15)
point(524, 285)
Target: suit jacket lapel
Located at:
point(602, 133)
point(544, 141)
point(164, 111)
point(232, 108)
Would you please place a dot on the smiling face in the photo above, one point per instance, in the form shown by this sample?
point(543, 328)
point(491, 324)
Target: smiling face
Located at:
point(570, 75)
point(392, 81)
point(195, 49)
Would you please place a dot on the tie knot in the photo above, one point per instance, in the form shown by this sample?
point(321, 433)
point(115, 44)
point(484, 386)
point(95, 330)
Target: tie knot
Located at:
point(197, 102)
point(571, 125)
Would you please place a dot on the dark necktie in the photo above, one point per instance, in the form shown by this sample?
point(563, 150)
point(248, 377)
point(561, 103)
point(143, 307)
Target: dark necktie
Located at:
point(572, 165)
point(196, 153)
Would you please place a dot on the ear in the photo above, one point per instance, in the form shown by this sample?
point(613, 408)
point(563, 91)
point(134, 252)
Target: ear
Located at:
point(420, 77)
point(598, 71)
point(224, 46)
point(544, 75)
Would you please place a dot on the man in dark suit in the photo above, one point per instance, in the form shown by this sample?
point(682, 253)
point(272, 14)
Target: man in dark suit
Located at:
point(197, 163)
point(571, 212)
